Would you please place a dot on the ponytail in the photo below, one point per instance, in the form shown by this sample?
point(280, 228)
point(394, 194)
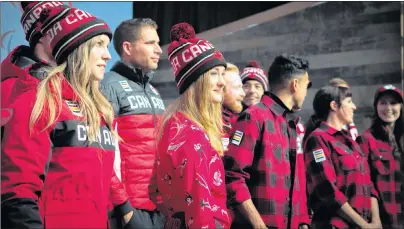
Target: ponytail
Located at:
point(312, 124)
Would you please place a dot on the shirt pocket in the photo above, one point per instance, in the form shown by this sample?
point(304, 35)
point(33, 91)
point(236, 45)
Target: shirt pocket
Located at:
point(346, 160)
point(383, 162)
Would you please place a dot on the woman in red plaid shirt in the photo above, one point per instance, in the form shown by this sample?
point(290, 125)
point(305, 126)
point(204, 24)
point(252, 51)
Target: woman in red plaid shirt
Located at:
point(341, 193)
point(383, 143)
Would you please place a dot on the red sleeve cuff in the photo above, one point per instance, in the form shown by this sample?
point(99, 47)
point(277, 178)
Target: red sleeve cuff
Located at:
point(374, 193)
point(340, 199)
point(241, 194)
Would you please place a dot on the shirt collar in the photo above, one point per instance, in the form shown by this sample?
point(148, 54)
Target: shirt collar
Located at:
point(331, 130)
point(278, 107)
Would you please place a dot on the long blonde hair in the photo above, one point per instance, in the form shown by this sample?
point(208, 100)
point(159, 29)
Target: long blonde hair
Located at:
point(92, 102)
point(196, 104)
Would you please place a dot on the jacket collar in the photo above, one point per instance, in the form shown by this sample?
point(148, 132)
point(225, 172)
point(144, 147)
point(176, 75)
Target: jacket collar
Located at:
point(133, 74)
point(19, 59)
point(67, 90)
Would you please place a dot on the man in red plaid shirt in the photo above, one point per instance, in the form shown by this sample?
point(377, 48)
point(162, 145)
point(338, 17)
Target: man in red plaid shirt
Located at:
point(264, 165)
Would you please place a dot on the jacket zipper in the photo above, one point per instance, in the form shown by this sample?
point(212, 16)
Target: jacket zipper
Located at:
point(151, 102)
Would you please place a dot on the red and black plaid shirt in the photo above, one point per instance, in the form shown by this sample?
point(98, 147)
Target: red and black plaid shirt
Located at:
point(262, 164)
point(387, 177)
point(337, 172)
point(229, 118)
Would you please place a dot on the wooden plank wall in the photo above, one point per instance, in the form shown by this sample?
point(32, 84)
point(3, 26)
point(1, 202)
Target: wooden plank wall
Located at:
point(358, 41)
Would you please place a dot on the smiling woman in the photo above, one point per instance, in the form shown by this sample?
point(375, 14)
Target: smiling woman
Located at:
point(383, 143)
point(332, 155)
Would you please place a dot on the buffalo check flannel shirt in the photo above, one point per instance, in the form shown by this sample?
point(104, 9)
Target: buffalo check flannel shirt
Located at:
point(337, 172)
point(387, 177)
point(229, 118)
point(262, 164)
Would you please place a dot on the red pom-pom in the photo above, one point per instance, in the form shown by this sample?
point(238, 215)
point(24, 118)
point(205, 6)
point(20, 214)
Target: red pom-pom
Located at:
point(182, 30)
point(253, 64)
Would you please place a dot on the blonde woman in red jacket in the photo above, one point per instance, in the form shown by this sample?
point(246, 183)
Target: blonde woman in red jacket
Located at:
point(58, 149)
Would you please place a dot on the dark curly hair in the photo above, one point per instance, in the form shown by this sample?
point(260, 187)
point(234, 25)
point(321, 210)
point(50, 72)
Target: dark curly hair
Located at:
point(284, 68)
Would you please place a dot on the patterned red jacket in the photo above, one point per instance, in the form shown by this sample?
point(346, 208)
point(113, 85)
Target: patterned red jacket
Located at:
point(264, 164)
point(55, 178)
point(190, 178)
point(337, 172)
point(387, 177)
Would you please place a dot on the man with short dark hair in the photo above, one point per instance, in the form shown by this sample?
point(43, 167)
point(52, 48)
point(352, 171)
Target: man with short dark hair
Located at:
point(137, 43)
point(138, 108)
point(265, 172)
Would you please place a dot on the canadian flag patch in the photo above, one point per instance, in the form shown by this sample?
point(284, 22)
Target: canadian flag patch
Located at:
point(237, 138)
point(74, 107)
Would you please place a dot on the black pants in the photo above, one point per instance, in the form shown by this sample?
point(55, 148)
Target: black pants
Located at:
point(141, 219)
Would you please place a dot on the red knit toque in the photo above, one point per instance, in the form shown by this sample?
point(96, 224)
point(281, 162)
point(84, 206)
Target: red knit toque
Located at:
point(191, 56)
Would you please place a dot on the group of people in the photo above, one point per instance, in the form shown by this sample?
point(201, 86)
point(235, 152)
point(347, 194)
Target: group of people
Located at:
point(85, 148)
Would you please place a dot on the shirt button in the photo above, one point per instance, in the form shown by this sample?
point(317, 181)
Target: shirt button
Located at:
point(287, 198)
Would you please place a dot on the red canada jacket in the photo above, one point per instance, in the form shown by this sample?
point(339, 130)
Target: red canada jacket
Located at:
point(190, 178)
point(12, 67)
point(138, 108)
point(55, 178)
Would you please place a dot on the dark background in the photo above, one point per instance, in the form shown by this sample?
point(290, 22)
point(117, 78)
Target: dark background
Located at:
point(201, 15)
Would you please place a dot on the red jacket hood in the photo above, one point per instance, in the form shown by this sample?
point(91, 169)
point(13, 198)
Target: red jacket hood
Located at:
point(20, 58)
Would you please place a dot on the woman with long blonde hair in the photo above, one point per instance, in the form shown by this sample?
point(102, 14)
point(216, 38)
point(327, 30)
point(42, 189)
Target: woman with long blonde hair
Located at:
point(189, 169)
point(58, 150)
